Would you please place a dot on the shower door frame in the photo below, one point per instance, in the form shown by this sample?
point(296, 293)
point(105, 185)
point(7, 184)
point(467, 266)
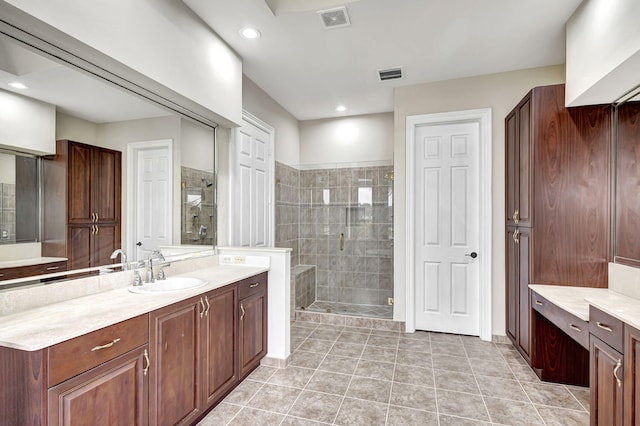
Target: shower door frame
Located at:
point(483, 118)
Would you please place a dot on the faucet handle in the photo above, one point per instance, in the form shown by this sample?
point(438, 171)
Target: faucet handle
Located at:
point(161, 274)
point(137, 279)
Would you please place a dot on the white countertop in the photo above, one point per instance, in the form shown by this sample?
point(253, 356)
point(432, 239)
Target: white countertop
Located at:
point(44, 326)
point(30, 261)
point(576, 300)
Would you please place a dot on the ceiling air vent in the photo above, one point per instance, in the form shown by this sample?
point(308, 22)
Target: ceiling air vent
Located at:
point(390, 74)
point(334, 18)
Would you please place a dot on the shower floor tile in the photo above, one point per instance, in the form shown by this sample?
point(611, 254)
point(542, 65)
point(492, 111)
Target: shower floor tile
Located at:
point(371, 311)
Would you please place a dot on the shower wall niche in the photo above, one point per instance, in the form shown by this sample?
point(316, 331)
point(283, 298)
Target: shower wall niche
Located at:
point(344, 221)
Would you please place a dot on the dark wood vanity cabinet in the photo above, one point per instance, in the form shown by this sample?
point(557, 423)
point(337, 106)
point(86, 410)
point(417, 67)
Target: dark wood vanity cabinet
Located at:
point(631, 375)
point(252, 327)
point(607, 387)
point(82, 204)
point(201, 348)
point(557, 199)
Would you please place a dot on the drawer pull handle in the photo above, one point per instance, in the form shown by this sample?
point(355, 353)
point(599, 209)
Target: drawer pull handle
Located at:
point(516, 236)
point(254, 285)
point(539, 303)
point(615, 372)
point(145, 369)
point(206, 299)
point(575, 327)
point(108, 345)
point(52, 268)
point(604, 326)
point(242, 309)
point(516, 213)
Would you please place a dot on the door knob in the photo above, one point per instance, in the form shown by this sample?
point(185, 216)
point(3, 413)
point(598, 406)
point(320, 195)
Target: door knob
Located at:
point(139, 244)
point(472, 255)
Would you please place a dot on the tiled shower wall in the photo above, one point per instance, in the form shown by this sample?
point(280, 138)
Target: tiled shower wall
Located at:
point(199, 183)
point(7, 213)
point(352, 204)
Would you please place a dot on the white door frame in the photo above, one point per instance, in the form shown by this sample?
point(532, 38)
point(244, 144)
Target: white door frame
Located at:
point(235, 137)
point(483, 118)
point(132, 199)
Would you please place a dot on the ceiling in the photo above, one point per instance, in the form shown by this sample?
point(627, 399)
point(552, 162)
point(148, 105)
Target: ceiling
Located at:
point(310, 70)
point(72, 92)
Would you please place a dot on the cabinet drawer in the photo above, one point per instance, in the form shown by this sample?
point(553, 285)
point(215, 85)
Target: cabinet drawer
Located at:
point(573, 326)
point(607, 328)
point(252, 285)
point(70, 358)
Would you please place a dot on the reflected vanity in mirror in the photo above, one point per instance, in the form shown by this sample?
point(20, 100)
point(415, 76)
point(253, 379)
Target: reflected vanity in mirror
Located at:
point(161, 152)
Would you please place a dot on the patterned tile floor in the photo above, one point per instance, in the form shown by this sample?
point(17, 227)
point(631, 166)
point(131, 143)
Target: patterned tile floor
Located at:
point(356, 376)
point(369, 311)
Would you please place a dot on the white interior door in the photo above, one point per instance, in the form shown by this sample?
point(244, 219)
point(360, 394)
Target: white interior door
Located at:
point(447, 220)
point(251, 184)
point(153, 221)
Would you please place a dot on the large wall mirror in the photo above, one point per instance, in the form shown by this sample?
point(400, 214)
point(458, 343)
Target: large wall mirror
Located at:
point(168, 176)
point(627, 178)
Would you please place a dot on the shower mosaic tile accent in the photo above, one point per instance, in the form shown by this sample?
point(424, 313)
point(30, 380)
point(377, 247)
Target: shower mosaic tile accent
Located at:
point(7, 213)
point(341, 221)
point(197, 207)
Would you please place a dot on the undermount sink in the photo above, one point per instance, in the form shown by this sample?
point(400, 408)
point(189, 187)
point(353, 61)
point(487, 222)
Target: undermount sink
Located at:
point(168, 285)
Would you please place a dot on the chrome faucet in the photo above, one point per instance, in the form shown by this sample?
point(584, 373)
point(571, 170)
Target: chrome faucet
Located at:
point(154, 254)
point(123, 258)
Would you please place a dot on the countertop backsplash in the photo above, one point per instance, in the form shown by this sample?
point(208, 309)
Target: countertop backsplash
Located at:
point(624, 280)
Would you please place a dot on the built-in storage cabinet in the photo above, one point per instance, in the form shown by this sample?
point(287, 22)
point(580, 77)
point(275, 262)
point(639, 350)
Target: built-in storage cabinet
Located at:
point(253, 323)
point(167, 367)
point(175, 336)
point(82, 204)
point(607, 386)
point(114, 393)
point(557, 201)
point(518, 245)
point(220, 354)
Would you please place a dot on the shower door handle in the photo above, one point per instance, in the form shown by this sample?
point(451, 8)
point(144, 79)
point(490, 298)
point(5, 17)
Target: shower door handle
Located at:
point(342, 241)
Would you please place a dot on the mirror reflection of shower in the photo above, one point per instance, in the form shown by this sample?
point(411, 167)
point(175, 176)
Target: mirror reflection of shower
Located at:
point(197, 206)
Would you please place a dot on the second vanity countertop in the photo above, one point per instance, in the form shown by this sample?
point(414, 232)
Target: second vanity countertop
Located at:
point(48, 325)
point(576, 300)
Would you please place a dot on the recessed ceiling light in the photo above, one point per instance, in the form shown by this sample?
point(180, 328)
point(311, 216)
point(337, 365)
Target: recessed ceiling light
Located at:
point(250, 33)
point(341, 108)
point(18, 85)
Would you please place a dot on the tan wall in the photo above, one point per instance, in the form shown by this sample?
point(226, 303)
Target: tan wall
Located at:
point(287, 135)
point(500, 92)
point(356, 139)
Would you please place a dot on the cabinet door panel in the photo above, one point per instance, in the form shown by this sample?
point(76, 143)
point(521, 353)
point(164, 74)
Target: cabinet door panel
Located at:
point(524, 309)
point(105, 240)
point(220, 367)
point(632, 376)
point(606, 393)
point(79, 182)
point(252, 331)
point(174, 383)
point(114, 393)
point(525, 209)
point(511, 147)
point(80, 247)
point(513, 257)
point(106, 185)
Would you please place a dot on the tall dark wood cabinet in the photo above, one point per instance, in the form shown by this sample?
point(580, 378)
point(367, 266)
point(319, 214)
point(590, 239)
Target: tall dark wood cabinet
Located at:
point(557, 201)
point(82, 204)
